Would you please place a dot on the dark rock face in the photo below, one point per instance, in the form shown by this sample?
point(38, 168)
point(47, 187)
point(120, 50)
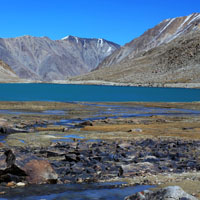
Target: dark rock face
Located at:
point(168, 193)
point(40, 58)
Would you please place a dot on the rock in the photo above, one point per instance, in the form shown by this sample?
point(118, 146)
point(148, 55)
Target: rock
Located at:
point(21, 184)
point(11, 184)
point(39, 172)
point(134, 169)
point(139, 130)
point(19, 167)
point(168, 193)
point(86, 123)
point(160, 120)
point(2, 192)
point(72, 158)
point(1, 145)
point(137, 196)
point(66, 129)
point(10, 158)
point(3, 164)
point(125, 145)
point(9, 130)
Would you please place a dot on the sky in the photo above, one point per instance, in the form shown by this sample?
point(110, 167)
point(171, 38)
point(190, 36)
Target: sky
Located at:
point(119, 21)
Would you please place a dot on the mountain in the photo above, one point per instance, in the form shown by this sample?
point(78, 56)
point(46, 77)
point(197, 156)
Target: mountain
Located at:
point(167, 53)
point(6, 73)
point(163, 33)
point(40, 58)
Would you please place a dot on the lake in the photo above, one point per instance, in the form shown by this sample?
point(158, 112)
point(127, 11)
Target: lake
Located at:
point(94, 93)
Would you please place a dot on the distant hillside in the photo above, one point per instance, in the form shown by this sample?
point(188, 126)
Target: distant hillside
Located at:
point(6, 73)
point(167, 53)
point(40, 58)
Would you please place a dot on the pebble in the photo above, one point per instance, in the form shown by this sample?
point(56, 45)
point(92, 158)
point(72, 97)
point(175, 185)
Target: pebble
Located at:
point(11, 184)
point(21, 184)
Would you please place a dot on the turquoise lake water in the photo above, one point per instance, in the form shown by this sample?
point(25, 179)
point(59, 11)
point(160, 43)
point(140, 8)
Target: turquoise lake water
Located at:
point(93, 93)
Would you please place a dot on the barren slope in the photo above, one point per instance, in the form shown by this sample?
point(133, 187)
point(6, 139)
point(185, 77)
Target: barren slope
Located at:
point(162, 33)
point(6, 73)
point(175, 62)
point(172, 56)
point(40, 58)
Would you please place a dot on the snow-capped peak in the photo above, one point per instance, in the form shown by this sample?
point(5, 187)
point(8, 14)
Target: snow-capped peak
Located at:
point(71, 37)
point(100, 42)
point(65, 38)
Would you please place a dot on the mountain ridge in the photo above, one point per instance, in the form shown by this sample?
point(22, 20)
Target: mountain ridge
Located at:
point(166, 54)
point(43, 59)
point(164, 32)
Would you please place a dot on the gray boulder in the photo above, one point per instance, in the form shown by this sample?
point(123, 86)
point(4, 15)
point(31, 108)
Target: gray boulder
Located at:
point(168, 193)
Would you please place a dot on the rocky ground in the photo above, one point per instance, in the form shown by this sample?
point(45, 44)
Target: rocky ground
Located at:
point(157, 149)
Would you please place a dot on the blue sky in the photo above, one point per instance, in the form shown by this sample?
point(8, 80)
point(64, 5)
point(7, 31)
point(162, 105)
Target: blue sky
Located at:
point(116, 20)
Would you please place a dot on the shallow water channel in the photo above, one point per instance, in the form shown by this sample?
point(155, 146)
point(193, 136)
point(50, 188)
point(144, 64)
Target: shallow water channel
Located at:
point(101, 191)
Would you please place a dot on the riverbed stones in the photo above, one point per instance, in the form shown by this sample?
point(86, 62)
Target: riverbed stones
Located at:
point(168, 193)
point(100, 160)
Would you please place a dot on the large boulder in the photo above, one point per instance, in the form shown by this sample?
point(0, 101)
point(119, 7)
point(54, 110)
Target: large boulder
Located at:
point(168, 193)
point(19, 167)
point(40, 171)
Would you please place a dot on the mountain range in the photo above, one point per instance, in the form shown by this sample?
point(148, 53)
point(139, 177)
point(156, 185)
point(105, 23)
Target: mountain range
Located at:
point(168, 53)
point(43, 59)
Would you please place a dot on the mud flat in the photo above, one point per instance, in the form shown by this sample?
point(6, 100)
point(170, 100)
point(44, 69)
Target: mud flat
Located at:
point(134, 143)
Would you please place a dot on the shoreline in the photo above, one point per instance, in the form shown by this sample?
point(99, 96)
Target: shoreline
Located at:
point(108, 83)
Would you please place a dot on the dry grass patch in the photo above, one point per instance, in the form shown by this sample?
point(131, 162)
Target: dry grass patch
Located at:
point(50, 128)
point(174, 129)
point(36, 106)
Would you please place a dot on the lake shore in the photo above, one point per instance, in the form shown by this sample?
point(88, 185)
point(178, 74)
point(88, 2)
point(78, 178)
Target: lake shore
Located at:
point(160, 148)
point(108, 83)
point(97, 82)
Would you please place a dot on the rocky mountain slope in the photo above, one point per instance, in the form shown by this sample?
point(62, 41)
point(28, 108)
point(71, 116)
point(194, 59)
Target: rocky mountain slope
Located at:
point(163, 33)
point(167, 53)
point(40, 58)
point(6, 73)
